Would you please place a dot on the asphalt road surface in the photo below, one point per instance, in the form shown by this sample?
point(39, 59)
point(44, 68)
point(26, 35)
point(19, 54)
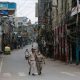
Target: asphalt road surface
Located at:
point(15, 67)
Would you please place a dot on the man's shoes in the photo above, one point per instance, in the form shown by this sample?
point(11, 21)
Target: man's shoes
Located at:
point(33, 74)
point(39, 73)
point(29, 73)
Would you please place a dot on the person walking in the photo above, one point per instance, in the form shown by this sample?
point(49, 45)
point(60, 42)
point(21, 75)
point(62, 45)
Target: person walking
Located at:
point(32, 63)
point(39, 62)
point(26, 54)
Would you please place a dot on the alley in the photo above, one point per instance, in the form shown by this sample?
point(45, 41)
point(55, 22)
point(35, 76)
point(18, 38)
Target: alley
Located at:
point(15, 67)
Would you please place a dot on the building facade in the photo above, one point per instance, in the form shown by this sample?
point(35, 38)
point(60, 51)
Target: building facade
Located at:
point(45, 23)
point(61, 22)
point(7, 14)
point(65, 25)
point(60, 9)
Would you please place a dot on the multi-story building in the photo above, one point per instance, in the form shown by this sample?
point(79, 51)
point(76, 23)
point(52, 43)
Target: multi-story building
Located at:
point(41, 11)
point(24, 28)
point(64, 23)
point(74, 29)
point(21, 21)
point(60, 12)
point(21, 25)
point(66, 30)
point(7, 12)
point(45, 22)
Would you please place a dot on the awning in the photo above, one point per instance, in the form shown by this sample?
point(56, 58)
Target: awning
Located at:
point(74, 10)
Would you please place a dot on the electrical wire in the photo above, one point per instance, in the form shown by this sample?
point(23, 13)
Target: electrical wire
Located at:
point(25, 12)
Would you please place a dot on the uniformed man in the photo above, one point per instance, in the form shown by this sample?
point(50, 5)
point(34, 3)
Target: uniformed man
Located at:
point(39, 61)
point(32, 63)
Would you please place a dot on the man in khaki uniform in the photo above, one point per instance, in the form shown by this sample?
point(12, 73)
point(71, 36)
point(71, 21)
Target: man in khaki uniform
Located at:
point(39, 62)
point(32, 63)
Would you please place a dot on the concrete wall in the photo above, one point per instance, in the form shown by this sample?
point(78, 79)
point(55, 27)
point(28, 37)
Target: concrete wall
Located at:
point(59, 11)
point(63, 6)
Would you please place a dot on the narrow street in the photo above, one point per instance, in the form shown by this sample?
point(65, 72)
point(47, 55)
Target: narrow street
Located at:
point(15, 67)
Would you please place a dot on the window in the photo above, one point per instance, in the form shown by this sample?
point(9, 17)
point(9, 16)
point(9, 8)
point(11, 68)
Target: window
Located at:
point(20, 23)
point(74, 3)
point(79, 1)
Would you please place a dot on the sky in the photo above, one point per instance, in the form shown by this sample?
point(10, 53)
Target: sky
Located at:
point(25, 8)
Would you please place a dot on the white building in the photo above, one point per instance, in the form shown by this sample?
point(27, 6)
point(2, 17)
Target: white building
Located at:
point(21, 21)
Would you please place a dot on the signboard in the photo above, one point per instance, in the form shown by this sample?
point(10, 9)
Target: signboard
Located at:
point(3, 5)
point(4, 12)
point(12, 6)
point(7, 5)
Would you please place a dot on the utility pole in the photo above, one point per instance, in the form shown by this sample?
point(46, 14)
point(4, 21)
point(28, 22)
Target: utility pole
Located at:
point(2, 26)
point(55, 6)
point(77, 45)
point(65, 36)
